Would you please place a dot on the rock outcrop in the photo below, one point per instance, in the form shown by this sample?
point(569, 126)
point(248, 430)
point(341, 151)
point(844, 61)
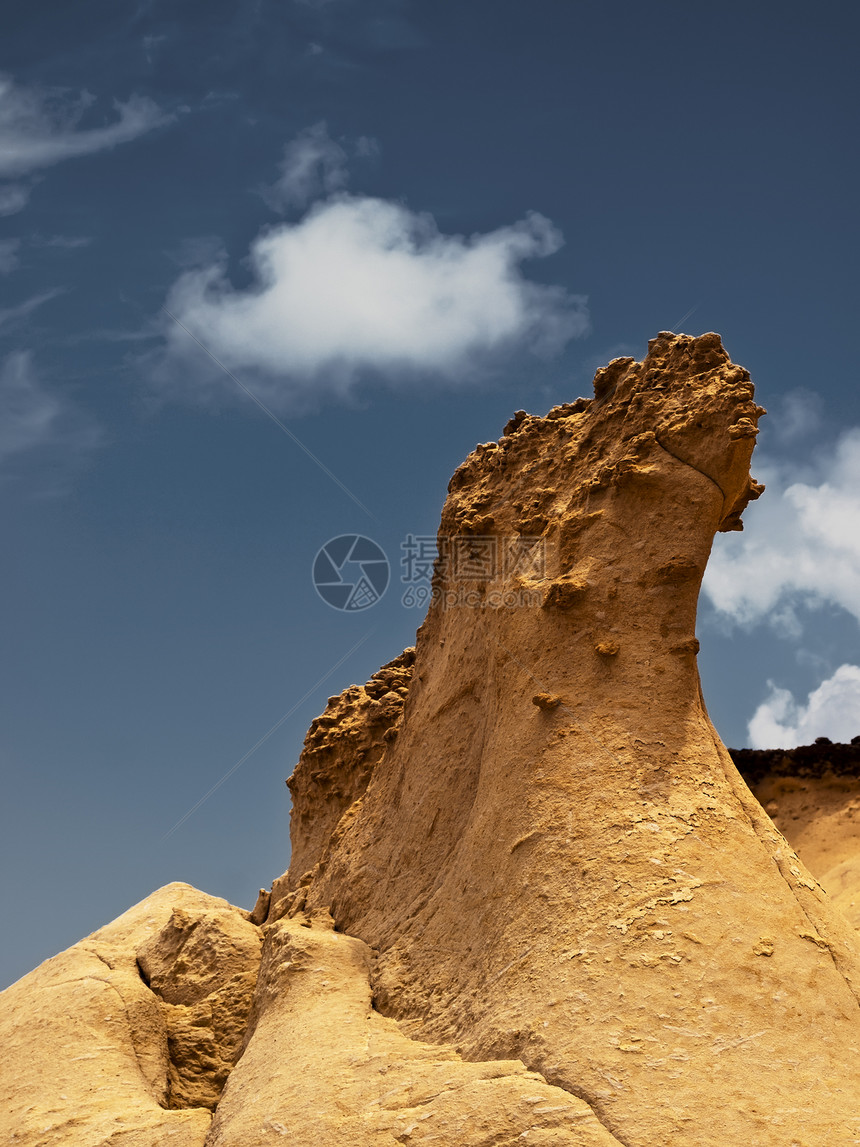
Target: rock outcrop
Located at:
point(812, 794)
point(342, 748)
point(531, 900)
point(323, 1067)
point(588, 886)
point(127, 1037)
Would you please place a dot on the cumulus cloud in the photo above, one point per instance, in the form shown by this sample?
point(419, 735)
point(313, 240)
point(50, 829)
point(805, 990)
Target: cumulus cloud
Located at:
point(832, 710)
point(801, 545)
point(365, 284)
point(32, 417)
point(39, 128)
point(313, 165)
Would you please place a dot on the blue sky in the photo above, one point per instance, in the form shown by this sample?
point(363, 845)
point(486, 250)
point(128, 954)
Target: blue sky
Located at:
point(392, 223)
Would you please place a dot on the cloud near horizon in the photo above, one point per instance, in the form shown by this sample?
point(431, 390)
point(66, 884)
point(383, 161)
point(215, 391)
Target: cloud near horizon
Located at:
point(801, 545)
point(39, 128)
point(832, 710)
point(365, 284)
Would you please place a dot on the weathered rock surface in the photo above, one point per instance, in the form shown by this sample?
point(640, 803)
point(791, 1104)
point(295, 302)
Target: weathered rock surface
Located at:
point(341, 750)
point(126, 1038)
point(589, 886)
point(324, 1069)
point(812, 794)
point(531, 900)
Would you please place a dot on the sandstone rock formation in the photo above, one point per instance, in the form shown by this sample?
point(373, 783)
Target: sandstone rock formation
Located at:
point(324, 1067)
point(590, 887)
point(127, 1037)
point(530, 900)
point(812, 794)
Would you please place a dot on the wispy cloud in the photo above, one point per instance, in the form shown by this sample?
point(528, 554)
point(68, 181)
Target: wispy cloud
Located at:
point(832, 710)
point(801, 545)
point(150, 43)
point(364, 285)
point(792, 416)
point(61, 242)
point(313, 165)
point(40, 127)
point(9, 255)
point(197, 251)
point(13, 198)
point(33, 417)
point(11, 316)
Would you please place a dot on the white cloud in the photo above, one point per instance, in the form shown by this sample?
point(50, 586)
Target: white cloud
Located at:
point(366, 284)
point(8, 255)
point(832, 710)
point(33, 417)
point(39, 128)
point(801, 544)
point(313, 165)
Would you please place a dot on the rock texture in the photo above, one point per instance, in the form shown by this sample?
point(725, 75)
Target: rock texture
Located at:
point(126, 1038)
point(324, 1068)
point(589, 887)
point(531, 900)
point(341, 750)
point(812, 794)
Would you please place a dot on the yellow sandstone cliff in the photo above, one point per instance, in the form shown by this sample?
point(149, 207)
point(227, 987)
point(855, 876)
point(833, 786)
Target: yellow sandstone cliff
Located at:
point(531, 900)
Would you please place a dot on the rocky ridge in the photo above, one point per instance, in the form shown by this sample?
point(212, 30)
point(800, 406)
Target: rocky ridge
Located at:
point(530, 897)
